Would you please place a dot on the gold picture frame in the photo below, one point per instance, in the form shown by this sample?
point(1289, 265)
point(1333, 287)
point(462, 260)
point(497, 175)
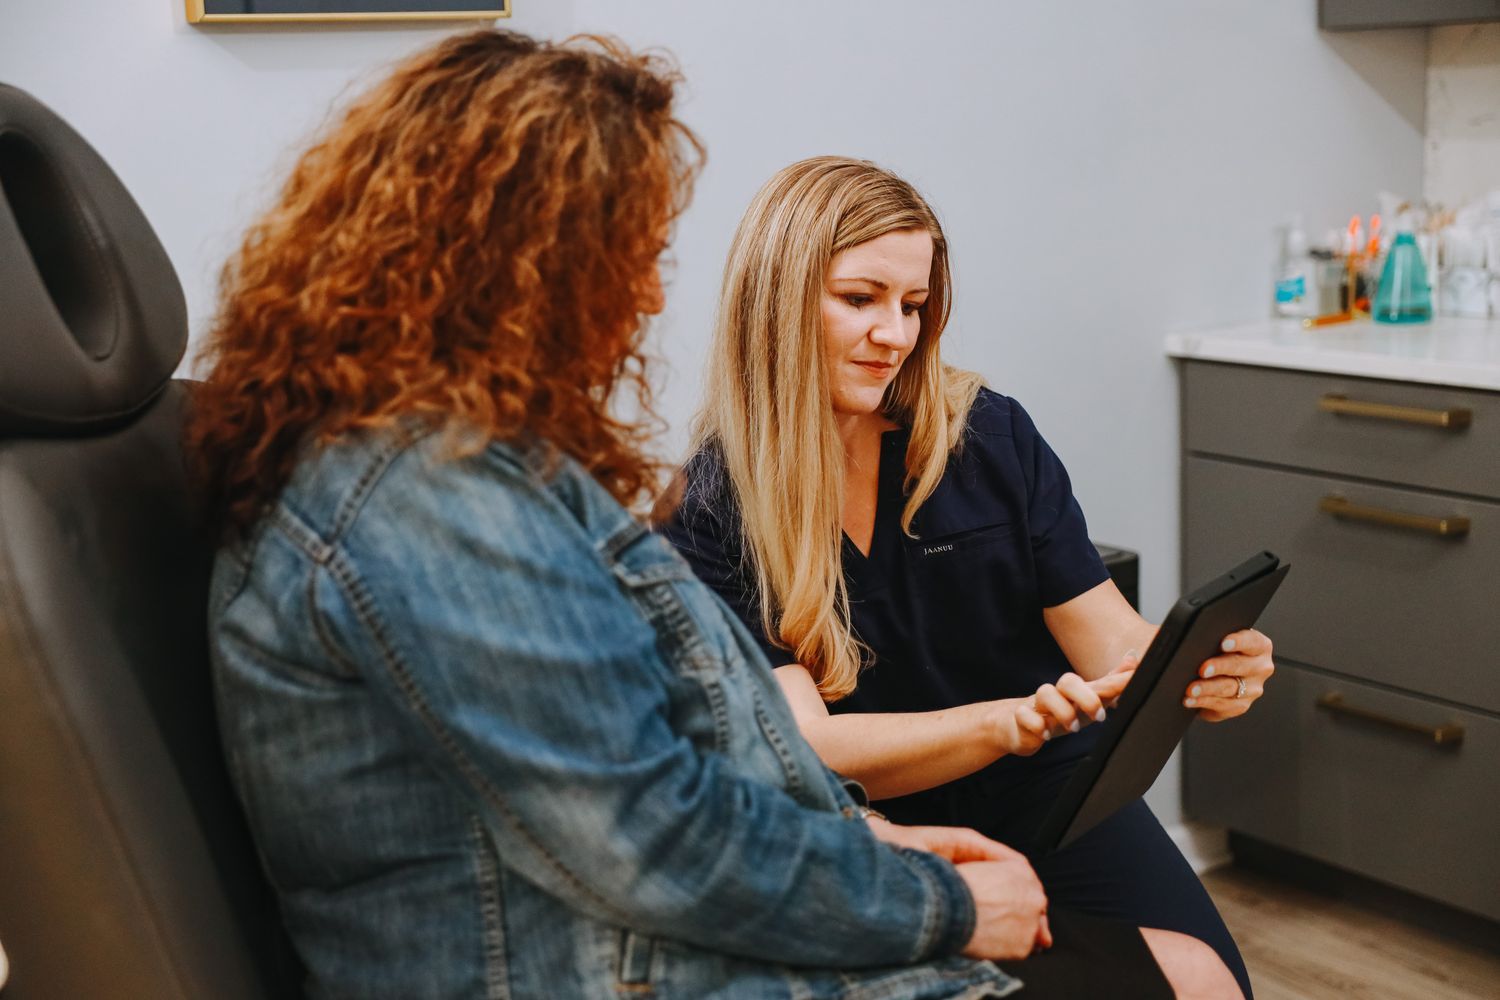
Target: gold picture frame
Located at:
point(286, 11)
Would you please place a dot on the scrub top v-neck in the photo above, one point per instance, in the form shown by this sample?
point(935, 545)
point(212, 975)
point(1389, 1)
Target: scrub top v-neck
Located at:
point(887, 509)
point(951, 614)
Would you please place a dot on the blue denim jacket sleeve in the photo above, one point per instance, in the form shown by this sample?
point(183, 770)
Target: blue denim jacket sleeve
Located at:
point(509, 650)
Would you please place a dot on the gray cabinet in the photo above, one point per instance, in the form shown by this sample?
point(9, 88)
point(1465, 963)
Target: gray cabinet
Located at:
point(1377, 745)
point(1359, 15)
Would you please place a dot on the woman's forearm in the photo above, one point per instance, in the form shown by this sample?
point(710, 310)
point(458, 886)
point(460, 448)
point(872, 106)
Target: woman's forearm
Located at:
point(894, 754)
point(1097, 629)
point(1132, 640)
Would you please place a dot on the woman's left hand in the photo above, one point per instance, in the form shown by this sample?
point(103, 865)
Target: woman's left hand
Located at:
point(1230, 683)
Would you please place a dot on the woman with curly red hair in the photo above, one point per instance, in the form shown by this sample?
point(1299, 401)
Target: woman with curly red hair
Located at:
point(492, 736)
point(470, 242)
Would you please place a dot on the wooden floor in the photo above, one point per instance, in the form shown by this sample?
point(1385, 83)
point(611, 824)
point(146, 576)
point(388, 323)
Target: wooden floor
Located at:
point(1302, 945)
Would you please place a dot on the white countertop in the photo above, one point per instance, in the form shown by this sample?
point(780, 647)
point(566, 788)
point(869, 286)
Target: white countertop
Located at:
point(1447, 351)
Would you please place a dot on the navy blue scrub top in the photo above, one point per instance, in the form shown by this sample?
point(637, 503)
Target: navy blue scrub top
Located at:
point(952, 615)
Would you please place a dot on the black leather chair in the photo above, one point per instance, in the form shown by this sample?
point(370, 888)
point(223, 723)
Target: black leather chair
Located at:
point(126, 870)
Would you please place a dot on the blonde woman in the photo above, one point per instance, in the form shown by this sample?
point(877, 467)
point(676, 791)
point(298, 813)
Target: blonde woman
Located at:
point(907, 550)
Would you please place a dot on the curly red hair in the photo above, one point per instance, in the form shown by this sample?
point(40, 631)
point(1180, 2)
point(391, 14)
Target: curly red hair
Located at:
point(472, 243)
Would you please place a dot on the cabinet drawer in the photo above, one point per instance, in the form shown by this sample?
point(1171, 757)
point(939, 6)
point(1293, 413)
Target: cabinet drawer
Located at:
point(1276, 416)
point(1398, 605)
point(1370, 796)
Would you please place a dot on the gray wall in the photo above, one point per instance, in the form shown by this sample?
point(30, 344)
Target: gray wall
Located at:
point(1107, 172)
point(1463, 130)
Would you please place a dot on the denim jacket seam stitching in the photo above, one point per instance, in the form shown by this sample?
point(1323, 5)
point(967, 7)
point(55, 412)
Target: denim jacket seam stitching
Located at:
point(621, 538)
point(932, 913)
point(652, 593)
point(651, 575)
point(676, 622)
point(718, 706)
point(959, 915)
point(363, 606)
point(382, 458)
point(301, 534)
point(551, 496)
point(491, 911)
point(795, 784)
point(321, 630)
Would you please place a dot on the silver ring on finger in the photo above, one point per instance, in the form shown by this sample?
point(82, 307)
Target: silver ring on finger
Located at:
point(1240, 693)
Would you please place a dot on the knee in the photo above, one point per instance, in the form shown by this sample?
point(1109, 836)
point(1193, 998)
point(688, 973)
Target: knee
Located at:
point(1194, 970)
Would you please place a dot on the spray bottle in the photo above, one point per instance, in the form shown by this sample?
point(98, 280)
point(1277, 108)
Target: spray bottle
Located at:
point(1295, 277)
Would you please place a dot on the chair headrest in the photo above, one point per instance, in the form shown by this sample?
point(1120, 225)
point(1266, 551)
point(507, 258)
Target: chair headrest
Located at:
point(92, 318)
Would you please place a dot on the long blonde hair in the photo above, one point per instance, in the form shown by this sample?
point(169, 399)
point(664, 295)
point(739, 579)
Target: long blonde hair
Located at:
point(768, 409)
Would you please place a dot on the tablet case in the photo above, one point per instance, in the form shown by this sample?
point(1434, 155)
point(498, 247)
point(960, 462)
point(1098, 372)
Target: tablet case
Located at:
point(1150, 720)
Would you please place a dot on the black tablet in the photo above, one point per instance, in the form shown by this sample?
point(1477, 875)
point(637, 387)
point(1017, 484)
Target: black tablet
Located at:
point(1149, 720)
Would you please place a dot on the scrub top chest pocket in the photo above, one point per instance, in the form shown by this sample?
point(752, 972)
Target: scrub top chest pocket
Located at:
point(952, 548)
point(974, 587)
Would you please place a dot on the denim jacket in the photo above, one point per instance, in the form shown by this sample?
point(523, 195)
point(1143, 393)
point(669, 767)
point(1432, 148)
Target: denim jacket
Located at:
point(495, 740)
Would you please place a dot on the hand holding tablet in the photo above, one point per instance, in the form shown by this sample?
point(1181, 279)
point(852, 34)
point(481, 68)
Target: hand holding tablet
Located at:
point(1152, 715)
point(1229, 683)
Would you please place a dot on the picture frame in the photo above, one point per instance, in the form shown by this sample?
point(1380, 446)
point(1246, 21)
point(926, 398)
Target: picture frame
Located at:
point(336, 11)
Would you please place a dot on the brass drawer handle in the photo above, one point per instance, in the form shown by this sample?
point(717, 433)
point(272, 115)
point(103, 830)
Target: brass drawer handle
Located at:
point(1454, 419)
point(1446, 527)
point(1450, 735)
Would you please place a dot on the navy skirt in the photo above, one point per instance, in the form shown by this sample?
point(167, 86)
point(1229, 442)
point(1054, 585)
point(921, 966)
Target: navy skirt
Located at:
point(1124, 869)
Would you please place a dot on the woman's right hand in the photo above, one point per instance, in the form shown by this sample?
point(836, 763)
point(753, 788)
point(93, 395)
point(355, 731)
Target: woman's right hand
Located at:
point(1010, 908)
point(1022, 725)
